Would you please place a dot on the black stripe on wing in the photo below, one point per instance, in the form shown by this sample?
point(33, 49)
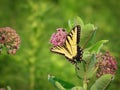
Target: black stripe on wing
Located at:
point(58, 47)
point(71, 60)
point(68, 41)
point(66, 49)
point(79, 54)
point(78, 32)
point(55, 51)
point(70, 35)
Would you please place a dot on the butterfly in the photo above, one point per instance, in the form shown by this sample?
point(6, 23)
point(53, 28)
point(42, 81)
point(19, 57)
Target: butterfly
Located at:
point(70, 49)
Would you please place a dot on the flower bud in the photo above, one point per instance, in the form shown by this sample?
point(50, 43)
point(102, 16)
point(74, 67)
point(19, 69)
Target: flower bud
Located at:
point(58, 38)
point(106, 64)
point(9, 39)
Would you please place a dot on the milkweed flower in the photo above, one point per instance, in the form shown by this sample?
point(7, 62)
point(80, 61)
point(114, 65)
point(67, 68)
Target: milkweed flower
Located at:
point(9, 39)
point(106, 64)
point(58, 38)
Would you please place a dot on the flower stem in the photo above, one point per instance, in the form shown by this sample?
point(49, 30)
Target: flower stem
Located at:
point(85, 83)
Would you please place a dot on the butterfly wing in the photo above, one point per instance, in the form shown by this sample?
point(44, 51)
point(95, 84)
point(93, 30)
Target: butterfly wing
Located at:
point(62, 50)
point(72, 40)
point(70, 48)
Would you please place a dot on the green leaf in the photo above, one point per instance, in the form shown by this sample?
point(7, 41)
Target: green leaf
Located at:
point(8, 88)
point(97, 46)
point(71, 24)
point(80, 22)
point(91, 67)
point(80, 70)
point(88, 69)
point(102, 82)
point(77, 88)
point(89, 39)
point(89, 27)
point(74, 22)
point(60, 84)
point(87, 35)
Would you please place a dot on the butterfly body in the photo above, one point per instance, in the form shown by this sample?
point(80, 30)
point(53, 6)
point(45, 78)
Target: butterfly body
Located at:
point(70, 48)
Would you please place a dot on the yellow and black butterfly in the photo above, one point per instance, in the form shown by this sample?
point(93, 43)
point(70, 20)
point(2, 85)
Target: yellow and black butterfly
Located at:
point(70, 49)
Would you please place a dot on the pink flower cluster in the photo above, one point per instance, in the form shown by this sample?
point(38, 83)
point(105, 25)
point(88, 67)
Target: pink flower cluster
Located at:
point(58, 38)
point(106, 64)
point(9, 39)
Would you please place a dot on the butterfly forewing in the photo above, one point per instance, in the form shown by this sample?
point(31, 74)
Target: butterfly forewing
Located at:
point(72, 41)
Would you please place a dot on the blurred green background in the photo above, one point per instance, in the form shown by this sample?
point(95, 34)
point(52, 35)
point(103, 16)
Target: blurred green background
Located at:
point(35, 21)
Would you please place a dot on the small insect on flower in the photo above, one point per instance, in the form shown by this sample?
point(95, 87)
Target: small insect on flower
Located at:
point(67, 44)
point(106, 64)
point(9, 39)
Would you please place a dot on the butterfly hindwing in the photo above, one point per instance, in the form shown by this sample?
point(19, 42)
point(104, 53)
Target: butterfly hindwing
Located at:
point(62, 50)
point(70, 48)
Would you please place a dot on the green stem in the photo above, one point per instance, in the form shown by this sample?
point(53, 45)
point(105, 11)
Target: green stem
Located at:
point(85, 84)
point(32, 72)
point(85, 79)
